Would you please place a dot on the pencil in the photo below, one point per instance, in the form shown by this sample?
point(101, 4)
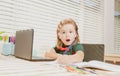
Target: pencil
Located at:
point(87, 70)
point(74, 69)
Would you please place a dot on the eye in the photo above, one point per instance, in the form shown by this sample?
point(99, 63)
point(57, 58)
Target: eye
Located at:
point(70, 31)
point(63, 32)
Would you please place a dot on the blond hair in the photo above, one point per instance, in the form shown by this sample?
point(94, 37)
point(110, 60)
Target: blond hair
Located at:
point(60, 25)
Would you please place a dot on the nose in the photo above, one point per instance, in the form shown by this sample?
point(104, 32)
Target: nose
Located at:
point(67, 34)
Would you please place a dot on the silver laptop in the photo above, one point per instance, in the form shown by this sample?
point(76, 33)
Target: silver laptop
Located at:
point(24, 46)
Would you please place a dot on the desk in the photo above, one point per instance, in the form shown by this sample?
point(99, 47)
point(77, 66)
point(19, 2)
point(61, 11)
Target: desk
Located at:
point(112, 57)
point(11, 66)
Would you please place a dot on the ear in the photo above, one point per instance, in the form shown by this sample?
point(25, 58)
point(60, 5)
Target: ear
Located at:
point(75, 35)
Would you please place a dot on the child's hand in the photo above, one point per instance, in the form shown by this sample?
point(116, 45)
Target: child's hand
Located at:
point(51, 54)
point(64, 59)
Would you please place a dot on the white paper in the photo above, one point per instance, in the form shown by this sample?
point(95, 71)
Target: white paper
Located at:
point(99, 65)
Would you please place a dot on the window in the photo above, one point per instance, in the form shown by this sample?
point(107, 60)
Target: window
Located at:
point(44, 15)
point(117, 27)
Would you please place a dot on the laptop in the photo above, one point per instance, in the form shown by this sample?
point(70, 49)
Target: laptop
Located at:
point(93, 52)
point(24, 46)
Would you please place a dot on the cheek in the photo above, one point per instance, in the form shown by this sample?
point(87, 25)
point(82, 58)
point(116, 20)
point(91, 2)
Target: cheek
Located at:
point(61, 37)
point(74, 35)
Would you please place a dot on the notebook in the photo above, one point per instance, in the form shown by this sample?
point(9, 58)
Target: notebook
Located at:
point(24, 46)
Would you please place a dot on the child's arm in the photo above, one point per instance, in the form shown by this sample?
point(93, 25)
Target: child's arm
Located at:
point(67, 59)
point(52, 54)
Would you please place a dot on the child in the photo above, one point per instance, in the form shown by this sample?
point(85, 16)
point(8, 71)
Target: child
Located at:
point(68, 49)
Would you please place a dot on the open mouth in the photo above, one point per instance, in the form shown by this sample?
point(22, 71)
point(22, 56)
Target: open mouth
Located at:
point(67, 40)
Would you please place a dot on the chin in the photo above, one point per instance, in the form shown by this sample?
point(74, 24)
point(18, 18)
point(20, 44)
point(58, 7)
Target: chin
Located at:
point(67, 43)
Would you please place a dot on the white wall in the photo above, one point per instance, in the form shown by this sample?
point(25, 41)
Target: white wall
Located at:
point(109, 26)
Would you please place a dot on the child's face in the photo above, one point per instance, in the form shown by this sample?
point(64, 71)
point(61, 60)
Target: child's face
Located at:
point(67, 34)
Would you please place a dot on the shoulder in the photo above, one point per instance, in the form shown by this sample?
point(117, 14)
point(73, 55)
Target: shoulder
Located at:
point(56, 49)
point(78, 46)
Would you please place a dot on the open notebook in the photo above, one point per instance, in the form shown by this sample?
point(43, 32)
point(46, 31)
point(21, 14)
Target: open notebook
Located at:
point(98, 65)
point(24, 46)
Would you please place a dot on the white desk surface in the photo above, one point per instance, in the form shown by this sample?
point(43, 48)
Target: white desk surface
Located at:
point(11, 66)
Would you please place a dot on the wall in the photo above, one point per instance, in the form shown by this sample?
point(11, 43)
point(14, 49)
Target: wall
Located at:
point(109, 26)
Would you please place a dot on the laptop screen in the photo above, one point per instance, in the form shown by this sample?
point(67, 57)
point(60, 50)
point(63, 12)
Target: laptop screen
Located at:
point(24, 44)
